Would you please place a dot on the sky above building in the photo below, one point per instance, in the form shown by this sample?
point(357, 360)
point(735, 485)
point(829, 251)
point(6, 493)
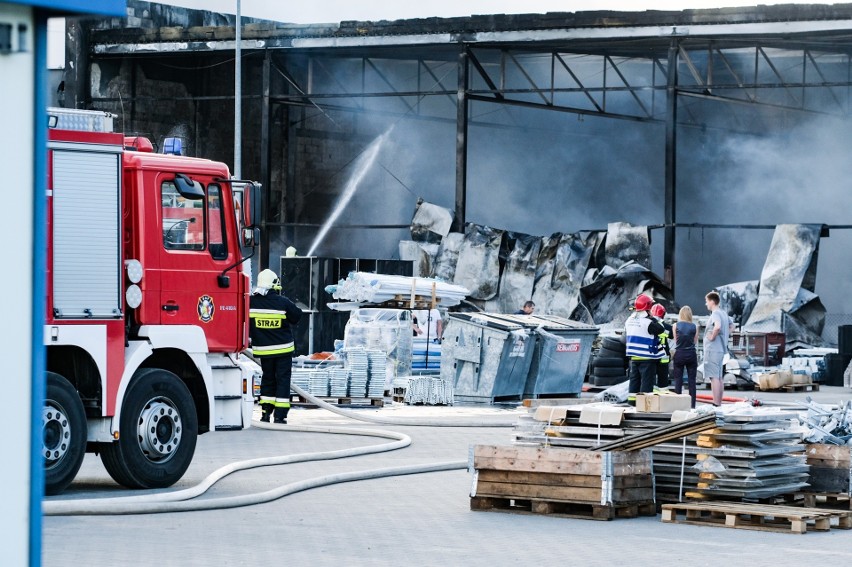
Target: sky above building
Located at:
point(324, 11)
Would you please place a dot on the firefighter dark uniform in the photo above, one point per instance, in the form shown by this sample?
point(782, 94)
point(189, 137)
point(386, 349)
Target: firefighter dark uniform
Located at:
point(271, 318)
point(659, 312)
point(643, 344)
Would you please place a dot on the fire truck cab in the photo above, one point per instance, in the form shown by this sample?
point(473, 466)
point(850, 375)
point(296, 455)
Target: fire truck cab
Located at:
point(147, 303)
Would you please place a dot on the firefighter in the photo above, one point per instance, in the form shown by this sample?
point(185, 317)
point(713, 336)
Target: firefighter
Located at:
point(643, 344)
point(659, 312)
point(272, 316)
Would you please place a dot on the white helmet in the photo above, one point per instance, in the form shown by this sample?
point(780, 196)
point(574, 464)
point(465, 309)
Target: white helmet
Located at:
point(268, 280)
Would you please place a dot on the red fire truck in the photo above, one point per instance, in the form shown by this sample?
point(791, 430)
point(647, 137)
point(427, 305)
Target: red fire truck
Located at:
point(147, 303)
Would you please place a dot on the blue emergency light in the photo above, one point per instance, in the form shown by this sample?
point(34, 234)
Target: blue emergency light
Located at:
point(173, 146)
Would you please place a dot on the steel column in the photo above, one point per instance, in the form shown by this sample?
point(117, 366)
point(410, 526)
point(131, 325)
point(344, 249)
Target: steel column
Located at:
point(671, 168)
point(265, 154)
point(461, 140)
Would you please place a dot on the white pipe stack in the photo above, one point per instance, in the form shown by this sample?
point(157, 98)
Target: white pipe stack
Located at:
point(365, 287)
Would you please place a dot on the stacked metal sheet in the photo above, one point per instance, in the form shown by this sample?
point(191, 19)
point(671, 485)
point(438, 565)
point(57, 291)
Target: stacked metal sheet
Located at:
point(358, 364)
point(311, 379)
point(377, 372)
point(319, 383)
point(429, 390)
point(338, 382)
point(750, 455)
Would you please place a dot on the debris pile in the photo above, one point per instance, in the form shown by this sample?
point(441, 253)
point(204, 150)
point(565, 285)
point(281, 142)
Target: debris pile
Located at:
point(587, 277)
point(592, 277)
point(827, 424)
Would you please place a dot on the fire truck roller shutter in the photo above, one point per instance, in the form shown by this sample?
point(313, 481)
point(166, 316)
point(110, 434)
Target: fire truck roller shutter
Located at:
point(63, 434)
point(158, 429)
point(87, 274)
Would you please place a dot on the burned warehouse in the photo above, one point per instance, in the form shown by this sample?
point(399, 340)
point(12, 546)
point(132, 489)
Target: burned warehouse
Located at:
point(575, 159)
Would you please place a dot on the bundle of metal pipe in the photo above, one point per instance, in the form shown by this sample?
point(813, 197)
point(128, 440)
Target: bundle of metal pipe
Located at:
point(378, 288)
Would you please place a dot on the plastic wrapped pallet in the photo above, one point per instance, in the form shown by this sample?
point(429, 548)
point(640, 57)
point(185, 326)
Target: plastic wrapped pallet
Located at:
point(388, 330)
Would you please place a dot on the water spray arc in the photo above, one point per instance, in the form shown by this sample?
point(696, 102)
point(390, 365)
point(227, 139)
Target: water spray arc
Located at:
point(362, 166)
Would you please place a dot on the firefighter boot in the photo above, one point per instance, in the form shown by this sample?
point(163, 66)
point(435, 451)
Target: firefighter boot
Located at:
point(281, 415)
point(267, 413)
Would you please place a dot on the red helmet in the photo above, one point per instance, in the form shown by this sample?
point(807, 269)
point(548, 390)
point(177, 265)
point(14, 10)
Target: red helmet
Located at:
point(643, 303)
point(658, 310)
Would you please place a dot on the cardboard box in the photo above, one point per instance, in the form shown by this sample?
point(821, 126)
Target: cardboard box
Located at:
point(801, 379)
point(594, 414)
point(665, 403)
point(775, 380)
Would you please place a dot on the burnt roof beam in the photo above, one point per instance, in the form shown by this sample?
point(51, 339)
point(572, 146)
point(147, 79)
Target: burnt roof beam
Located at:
point(810, 56)
point(485, 76)
point(385, 80)
point(438, 82)
point(778, 74)
point(528, 78)
point(626, 84)
point(576, 79)
point(295, 85)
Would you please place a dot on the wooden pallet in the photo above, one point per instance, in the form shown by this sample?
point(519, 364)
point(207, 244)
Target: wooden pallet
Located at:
point(761, 517)
point(296, 400)
point(563, 509)
point(825, 500)
point(802, 388)
point(813, 387)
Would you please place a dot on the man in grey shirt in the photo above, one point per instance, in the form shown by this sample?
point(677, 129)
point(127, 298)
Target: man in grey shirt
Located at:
point(716, 336)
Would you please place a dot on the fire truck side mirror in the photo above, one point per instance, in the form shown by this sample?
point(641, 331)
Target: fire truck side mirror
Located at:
point(251, 236)
point(251, 206)
point(188, 188)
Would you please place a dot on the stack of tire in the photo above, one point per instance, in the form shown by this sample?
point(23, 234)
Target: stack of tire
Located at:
point(610, 363)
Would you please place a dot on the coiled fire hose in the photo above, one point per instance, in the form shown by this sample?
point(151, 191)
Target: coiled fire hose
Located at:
point(183, 500)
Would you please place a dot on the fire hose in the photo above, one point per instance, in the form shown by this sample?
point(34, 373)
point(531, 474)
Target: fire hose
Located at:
point(182, 500)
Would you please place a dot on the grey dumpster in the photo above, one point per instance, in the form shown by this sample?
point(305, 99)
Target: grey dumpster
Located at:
point(487, 359)
point(561, 354)
point(560, 359)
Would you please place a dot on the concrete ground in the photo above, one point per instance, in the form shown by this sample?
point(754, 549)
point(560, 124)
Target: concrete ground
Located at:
point(410, 520)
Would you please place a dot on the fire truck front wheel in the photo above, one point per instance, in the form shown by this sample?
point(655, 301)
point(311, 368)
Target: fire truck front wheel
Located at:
point(157, 432)
point(64, 434)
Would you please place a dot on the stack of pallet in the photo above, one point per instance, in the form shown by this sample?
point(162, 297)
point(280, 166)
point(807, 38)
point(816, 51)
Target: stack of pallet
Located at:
point(830, 476)
point(562, 481)
point(751, 455)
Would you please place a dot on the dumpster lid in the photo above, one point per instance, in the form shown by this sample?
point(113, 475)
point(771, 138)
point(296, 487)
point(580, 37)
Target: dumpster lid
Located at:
point(487, 320)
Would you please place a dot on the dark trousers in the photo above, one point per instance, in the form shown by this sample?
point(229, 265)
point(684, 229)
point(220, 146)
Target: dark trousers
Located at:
point(685, 360)
point(642, 374)
point(662, 374)
point(275, 382)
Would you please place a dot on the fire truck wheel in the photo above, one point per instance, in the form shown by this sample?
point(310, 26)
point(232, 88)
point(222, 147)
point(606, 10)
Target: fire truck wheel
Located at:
point(158, 430)
point(64, 434)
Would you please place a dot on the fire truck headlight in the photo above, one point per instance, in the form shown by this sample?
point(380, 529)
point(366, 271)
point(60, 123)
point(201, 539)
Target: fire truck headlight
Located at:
point(134, 270)
point(133, 295)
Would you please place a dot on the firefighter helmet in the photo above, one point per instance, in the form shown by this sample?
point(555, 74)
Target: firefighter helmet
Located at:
point(643, 302)
point(658, 310)
point(268, 280)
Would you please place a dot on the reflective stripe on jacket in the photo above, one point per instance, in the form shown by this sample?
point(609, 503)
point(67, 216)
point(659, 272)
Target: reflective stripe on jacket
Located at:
point(270, 320)
point(641, 344)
